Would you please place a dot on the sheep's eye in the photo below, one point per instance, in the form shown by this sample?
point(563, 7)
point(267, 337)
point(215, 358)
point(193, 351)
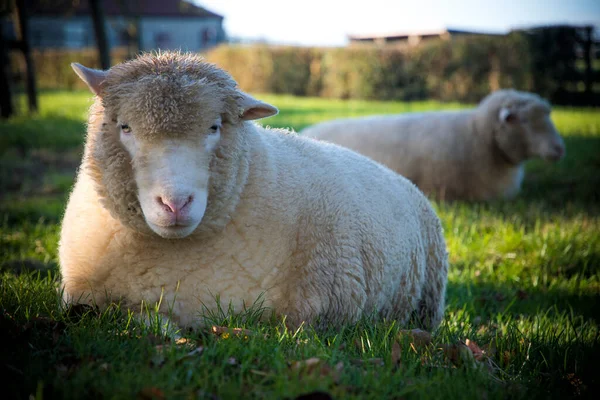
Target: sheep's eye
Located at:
point(125, 128)
point(215, 128)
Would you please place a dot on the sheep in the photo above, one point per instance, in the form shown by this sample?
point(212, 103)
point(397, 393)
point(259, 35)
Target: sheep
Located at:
point(476, 154)
point(182, 200)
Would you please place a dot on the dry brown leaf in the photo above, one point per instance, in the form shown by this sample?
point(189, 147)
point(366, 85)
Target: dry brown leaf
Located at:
point(478, 353)
point(224, 330)
point(418, 337)
point(307, 366)
point(316, 365)
point(396, 351)
point(150, 393)
point(459, 354)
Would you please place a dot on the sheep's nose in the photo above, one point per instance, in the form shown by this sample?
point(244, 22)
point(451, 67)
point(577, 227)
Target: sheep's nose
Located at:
point(175, 205)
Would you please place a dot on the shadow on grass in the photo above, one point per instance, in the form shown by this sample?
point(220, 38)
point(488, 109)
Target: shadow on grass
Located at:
point(486, 300)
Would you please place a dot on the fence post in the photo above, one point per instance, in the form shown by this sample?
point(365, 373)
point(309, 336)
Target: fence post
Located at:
point(100, 30)
point(26, 50)
point(587, 54)
point(6, 105)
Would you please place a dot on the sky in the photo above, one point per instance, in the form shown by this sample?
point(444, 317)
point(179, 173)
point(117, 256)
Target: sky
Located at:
point(328, 22)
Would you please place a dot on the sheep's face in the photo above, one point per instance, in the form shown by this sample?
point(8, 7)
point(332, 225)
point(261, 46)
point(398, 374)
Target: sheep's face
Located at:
point(528, 132)
point(162, 119)
point(171, 175)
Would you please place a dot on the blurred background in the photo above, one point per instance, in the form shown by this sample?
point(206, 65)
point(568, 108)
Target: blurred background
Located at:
point(403, 50)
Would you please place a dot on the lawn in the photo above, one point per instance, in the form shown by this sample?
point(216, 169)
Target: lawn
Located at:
point(523, 291)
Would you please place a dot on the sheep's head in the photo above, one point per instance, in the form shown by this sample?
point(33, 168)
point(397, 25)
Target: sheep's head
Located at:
point(163, 117)
point(524, 129)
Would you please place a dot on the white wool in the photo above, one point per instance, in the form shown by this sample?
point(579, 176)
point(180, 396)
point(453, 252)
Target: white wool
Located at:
point(476, 154)
point(321, 232)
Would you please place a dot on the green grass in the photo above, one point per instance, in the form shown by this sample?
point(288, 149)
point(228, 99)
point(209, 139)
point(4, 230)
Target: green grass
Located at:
point(524, 284)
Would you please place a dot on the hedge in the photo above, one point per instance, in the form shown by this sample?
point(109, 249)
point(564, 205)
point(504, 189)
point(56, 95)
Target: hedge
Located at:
point(462, 69)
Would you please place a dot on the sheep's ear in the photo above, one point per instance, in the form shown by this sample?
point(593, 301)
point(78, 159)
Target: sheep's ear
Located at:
point(250, 108)
point(506, 115)
point(92, 77)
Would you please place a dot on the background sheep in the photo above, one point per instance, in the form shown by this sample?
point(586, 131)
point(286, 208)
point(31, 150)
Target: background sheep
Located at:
point(180, 196)
point(477, 154)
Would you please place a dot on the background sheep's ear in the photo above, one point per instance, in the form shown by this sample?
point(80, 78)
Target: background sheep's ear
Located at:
point(250, 108)
point(506, 115)
point(92, 77)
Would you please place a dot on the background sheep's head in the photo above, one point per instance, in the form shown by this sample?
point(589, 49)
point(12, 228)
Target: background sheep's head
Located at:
point(162, 118)
point(524, 129)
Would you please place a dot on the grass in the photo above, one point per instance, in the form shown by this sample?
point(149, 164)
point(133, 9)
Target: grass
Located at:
point(524, 284)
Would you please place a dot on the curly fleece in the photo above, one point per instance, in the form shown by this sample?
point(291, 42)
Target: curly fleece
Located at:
point(456, 155)
point(323, 233)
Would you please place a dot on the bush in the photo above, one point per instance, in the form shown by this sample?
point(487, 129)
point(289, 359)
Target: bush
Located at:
point(464, 69)
point(53, 67)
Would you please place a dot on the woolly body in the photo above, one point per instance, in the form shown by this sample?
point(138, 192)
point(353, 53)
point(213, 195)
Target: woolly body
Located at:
point(476, 154)
point(319, 230)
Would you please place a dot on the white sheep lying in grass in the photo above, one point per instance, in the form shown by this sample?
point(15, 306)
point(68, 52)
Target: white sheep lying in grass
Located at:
point(181, 196)
point(474, 154)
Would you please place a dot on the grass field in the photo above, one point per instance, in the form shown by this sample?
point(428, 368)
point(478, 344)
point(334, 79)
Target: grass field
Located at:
point(524, 286)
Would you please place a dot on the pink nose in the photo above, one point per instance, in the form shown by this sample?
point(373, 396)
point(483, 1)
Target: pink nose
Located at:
point(175, 205)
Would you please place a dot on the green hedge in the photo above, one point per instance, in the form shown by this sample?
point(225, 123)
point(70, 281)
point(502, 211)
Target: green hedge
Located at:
point(464, 69)
point(53, 67)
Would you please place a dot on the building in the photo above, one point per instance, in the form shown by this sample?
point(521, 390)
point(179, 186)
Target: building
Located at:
point(162, 24)
point(406, 39)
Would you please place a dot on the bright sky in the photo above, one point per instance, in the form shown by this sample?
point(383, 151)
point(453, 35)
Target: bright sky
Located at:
point(328, 22)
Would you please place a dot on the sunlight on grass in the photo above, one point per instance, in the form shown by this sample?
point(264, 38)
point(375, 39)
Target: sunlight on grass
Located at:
point(524, 284)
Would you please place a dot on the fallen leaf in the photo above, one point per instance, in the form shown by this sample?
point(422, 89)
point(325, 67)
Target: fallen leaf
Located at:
point(459, 354)
point(307, 366)
point(478, 353)
point(223, 330)
point(150, 393)
point(418, 337)
point(182, 341)
point(316, 365)
point(396, 350)
point(576, 382)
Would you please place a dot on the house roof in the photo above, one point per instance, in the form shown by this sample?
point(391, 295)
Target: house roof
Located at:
point(426, 33)
point(145, 8)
